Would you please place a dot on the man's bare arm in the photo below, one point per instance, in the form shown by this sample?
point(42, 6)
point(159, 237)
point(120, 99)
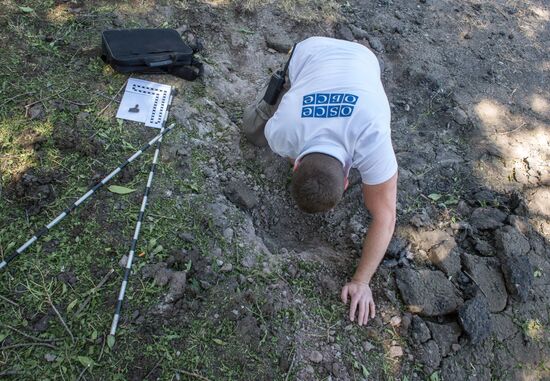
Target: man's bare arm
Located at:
point(381, 201)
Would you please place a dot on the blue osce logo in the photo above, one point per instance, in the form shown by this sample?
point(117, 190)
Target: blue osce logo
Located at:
point(324, 105)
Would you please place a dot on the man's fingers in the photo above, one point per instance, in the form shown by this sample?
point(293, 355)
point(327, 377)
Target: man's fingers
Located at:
point(366, 318)
point(372, 309)
point(362, 310)
point(344, 295)
point(352, 308)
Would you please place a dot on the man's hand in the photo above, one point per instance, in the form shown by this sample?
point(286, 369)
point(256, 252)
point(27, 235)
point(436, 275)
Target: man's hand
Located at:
point(361, 300)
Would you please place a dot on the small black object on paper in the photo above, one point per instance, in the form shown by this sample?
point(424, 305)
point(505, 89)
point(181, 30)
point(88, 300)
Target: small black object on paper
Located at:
point(134, 109)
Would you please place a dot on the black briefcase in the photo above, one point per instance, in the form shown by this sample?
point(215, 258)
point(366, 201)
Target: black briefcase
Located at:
point(150, 51)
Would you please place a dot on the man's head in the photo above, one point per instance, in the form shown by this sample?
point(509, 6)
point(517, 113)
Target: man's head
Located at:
point(318, 182)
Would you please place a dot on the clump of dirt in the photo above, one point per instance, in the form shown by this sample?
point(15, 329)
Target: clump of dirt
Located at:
point(34, 189)
point(81, 140)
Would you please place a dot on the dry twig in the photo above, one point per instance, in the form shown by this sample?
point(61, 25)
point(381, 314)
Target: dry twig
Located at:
point(191, 374)
point(94, 289)
point(102, 349)
point(155, 367)
point(15, 97)
point(9, 373)
point(82, 373)
point(40, 344)
point(27, 335)
point(9, 301)
point(61, 319)
point(111, 101)
point(291, 365)
point(28, 106)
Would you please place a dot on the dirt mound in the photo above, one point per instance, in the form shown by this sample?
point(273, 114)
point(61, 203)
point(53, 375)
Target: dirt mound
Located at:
point(34, 189)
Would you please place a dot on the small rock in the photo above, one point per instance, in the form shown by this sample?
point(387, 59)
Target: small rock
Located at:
point(376, 44)
point(227, 267)
point(445, 335)
point(316, 357)
point(475, 318)
point(182, 29)
point(82, 120)
point(228, 234)
point(487, 275)
point(248, 331)
point(278, 43)
point(395, 321)
point(217, 253)
point(36, 112)
point(68, 277)
point(429, 354)
point(118, 21)
point(339, 371)
point(518, 275)
point(421, 219)
point(359, 33)
point(149, 271)
point(520, 223)
point(510, 242)
point(396, 351)
point(284, 364)
point(367, 346)
point(463, 208)
point(390, 263)
point(456, 347)
point(163, 276)
point(406, 321)
point(460, 116)
point(249, 261)
point(42, 323)
point(177, 286)
point(123, 261)
point(328, 285)
point(426, 292)
point(441, 249)
point(420, 332)
point(241, 195)
point(395, 247)
point(186, 237)
point(50, 357)
point(344, 32)
point(292, 270)
point(487, 218)
point(483, 247)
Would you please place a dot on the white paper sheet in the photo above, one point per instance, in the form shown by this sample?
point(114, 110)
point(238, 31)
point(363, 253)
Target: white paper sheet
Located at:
point(145, 102)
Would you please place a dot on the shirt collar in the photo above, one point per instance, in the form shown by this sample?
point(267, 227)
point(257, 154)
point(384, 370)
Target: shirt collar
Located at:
point(333, 150)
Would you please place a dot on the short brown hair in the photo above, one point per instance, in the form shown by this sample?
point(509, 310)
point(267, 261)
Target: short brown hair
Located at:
point(318, 183)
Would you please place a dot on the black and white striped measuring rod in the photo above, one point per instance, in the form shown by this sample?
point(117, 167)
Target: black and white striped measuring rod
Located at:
point(137, 230)
point(90, 192)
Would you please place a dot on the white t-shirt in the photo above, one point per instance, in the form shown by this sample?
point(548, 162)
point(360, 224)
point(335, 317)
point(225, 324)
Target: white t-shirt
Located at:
point(336, 105)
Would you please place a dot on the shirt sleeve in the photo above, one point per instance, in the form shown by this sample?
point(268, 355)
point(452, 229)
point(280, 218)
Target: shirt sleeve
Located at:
point(378, 164)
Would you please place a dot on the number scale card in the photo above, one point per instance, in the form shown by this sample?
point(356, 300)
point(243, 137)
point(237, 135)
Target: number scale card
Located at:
point(145, 102)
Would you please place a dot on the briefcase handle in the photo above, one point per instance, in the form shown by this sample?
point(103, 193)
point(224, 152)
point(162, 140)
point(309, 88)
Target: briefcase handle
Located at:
point(160, 63)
